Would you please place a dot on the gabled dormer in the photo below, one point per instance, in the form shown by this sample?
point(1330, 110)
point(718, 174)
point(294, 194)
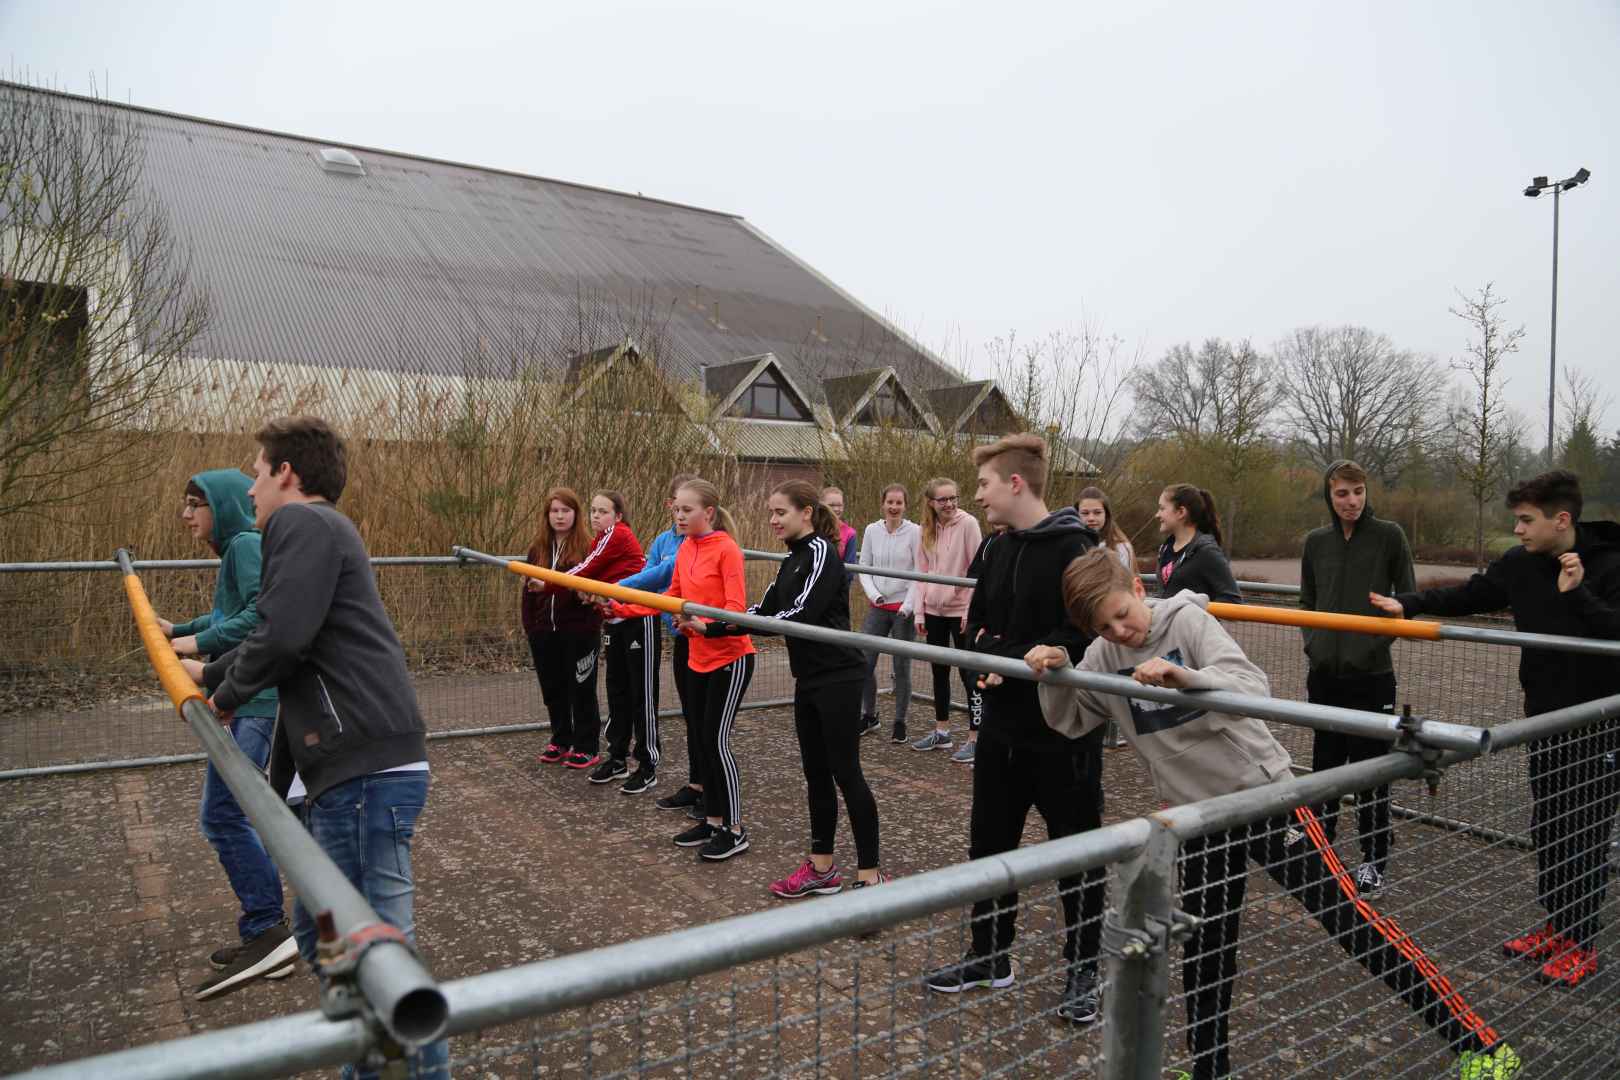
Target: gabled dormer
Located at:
point(875, 399)
point(756, 388)
point(977, 409)
point(600, 372)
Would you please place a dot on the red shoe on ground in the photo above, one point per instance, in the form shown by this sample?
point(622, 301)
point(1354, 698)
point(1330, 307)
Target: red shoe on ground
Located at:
point(579, 759)
point(552, 754)
point(1570, 966)
point(1538, 944)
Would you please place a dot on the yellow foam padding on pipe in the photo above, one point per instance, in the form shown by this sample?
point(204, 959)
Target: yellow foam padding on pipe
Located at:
point(1328, 620)
point(176, 683)
point(600, 588)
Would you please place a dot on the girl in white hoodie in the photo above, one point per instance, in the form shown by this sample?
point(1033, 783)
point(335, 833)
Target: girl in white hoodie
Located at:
point(889, 544)
point(1194, 754)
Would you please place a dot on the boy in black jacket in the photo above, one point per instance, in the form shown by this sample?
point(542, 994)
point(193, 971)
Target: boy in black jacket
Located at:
point(1359, 554)
point(349, 722)
point(1021, 761)
point(1564, 579)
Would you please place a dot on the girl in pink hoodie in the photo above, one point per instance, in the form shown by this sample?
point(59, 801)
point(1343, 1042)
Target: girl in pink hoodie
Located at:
point(950, 539)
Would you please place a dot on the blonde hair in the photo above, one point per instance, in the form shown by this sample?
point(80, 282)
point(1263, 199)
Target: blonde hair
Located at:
point(709, 497)
point(930, 519)
point(1017, 455)
point(1088, 581)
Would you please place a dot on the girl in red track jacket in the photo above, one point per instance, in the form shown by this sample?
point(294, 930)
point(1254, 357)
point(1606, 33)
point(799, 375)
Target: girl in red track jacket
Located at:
point(633, 646)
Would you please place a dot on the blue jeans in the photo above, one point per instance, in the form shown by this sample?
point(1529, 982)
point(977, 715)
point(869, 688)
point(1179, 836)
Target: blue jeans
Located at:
point(252, 875)
point(365, 825)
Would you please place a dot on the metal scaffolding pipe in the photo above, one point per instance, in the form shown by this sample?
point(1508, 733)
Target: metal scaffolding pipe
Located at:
point(1320, 717)
point(399, 990)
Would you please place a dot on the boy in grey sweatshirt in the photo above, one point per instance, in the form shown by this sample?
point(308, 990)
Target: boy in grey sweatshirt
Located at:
point(1195, 754)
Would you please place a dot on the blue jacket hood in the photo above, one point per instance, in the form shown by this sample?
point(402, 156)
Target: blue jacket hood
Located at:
point(227, 493)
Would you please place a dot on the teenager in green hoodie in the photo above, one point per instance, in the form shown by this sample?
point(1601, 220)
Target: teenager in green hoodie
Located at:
point(218, 513)
point(1356, 555)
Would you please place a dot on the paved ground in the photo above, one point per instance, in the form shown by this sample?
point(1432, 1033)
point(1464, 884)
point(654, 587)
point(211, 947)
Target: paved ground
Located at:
point(115, 901)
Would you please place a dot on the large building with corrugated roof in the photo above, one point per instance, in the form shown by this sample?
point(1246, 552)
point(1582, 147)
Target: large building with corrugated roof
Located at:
point(338, 273)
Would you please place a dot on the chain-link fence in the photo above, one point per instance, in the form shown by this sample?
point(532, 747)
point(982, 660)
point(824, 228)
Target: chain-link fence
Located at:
point(1290, 966)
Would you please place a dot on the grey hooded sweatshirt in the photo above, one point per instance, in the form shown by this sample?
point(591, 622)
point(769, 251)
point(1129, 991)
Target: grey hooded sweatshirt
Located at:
point(1191, 754)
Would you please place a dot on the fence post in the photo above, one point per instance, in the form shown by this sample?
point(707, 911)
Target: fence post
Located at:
point(1136, 939)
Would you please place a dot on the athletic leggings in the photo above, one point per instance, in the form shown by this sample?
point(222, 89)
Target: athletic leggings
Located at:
point(946, 630)
point(679, 649)
point(634, 648)
point(565, 662)
point(828, 719)
point(712, 698)
point(1214, 876)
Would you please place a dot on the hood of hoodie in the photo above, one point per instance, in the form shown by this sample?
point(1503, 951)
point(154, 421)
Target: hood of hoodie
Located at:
point(1165, 611)
point(1597, 535)
point(1062, 522)
point(227, 493)
point(1327, 496)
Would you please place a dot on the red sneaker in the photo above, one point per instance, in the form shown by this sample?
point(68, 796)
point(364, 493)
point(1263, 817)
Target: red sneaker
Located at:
point(552, 754)
point(579, 759)
point(1570, 966)
point(1538, 944)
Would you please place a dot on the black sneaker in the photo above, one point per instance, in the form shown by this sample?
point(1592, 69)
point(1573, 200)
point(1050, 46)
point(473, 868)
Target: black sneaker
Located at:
point(1082, 995)
point(221, 959)
point(610, 770)
point(680, 800)
point(697, 813)
point(270, 952)
point(869, 724)
point(898, 735)
point(971, 972)
point(696, 836)
point(639, 781)
point(723, 844)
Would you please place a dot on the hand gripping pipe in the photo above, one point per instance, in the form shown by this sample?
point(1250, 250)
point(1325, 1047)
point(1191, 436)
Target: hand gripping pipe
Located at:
point(1430, 733)
point(399, 990)
point(1419, 629)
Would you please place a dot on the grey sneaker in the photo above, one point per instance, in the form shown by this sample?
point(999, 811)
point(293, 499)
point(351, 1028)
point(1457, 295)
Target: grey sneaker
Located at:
point(934, 740)
point(964, 753)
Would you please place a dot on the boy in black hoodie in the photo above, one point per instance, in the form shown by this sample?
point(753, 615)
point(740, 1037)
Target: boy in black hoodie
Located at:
point(1564, 579)
point(349, 721)
point(1343, 563)
point(1021, 762)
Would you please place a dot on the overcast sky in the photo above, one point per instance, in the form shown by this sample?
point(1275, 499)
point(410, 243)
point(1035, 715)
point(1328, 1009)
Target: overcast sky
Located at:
point(1167, 171)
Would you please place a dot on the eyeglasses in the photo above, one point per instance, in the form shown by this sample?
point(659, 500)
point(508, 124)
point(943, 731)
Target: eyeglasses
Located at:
point(948, 500)
point(191, 505)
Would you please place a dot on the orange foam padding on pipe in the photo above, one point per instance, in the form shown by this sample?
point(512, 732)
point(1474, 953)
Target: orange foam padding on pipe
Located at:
point(600, 588)
point(1328, 620)
point(176, 683)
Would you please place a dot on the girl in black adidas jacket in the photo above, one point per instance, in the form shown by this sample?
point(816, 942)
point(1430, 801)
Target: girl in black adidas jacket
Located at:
point(809, 588)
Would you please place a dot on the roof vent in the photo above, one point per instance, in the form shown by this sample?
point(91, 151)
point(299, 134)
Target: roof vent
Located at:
point(336, 160)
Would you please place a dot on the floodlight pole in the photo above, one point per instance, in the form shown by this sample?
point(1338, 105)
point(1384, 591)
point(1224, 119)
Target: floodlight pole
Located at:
point(1536, 187)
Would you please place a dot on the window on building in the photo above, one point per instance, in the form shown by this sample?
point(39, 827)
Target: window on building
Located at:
point(889, 407)
point(768, 398)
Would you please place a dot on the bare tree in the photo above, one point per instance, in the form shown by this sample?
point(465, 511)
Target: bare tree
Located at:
point(1350, 393)
point(96, 301)
point(1074, 386)
point(1220, 403)
point(1584, 406)
point(1485, 432)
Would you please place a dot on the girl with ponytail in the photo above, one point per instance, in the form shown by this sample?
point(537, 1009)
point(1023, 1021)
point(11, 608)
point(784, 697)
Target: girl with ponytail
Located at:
point(809, 588)
point(1097, 514)
point(709, 571)
point(1191, 557)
